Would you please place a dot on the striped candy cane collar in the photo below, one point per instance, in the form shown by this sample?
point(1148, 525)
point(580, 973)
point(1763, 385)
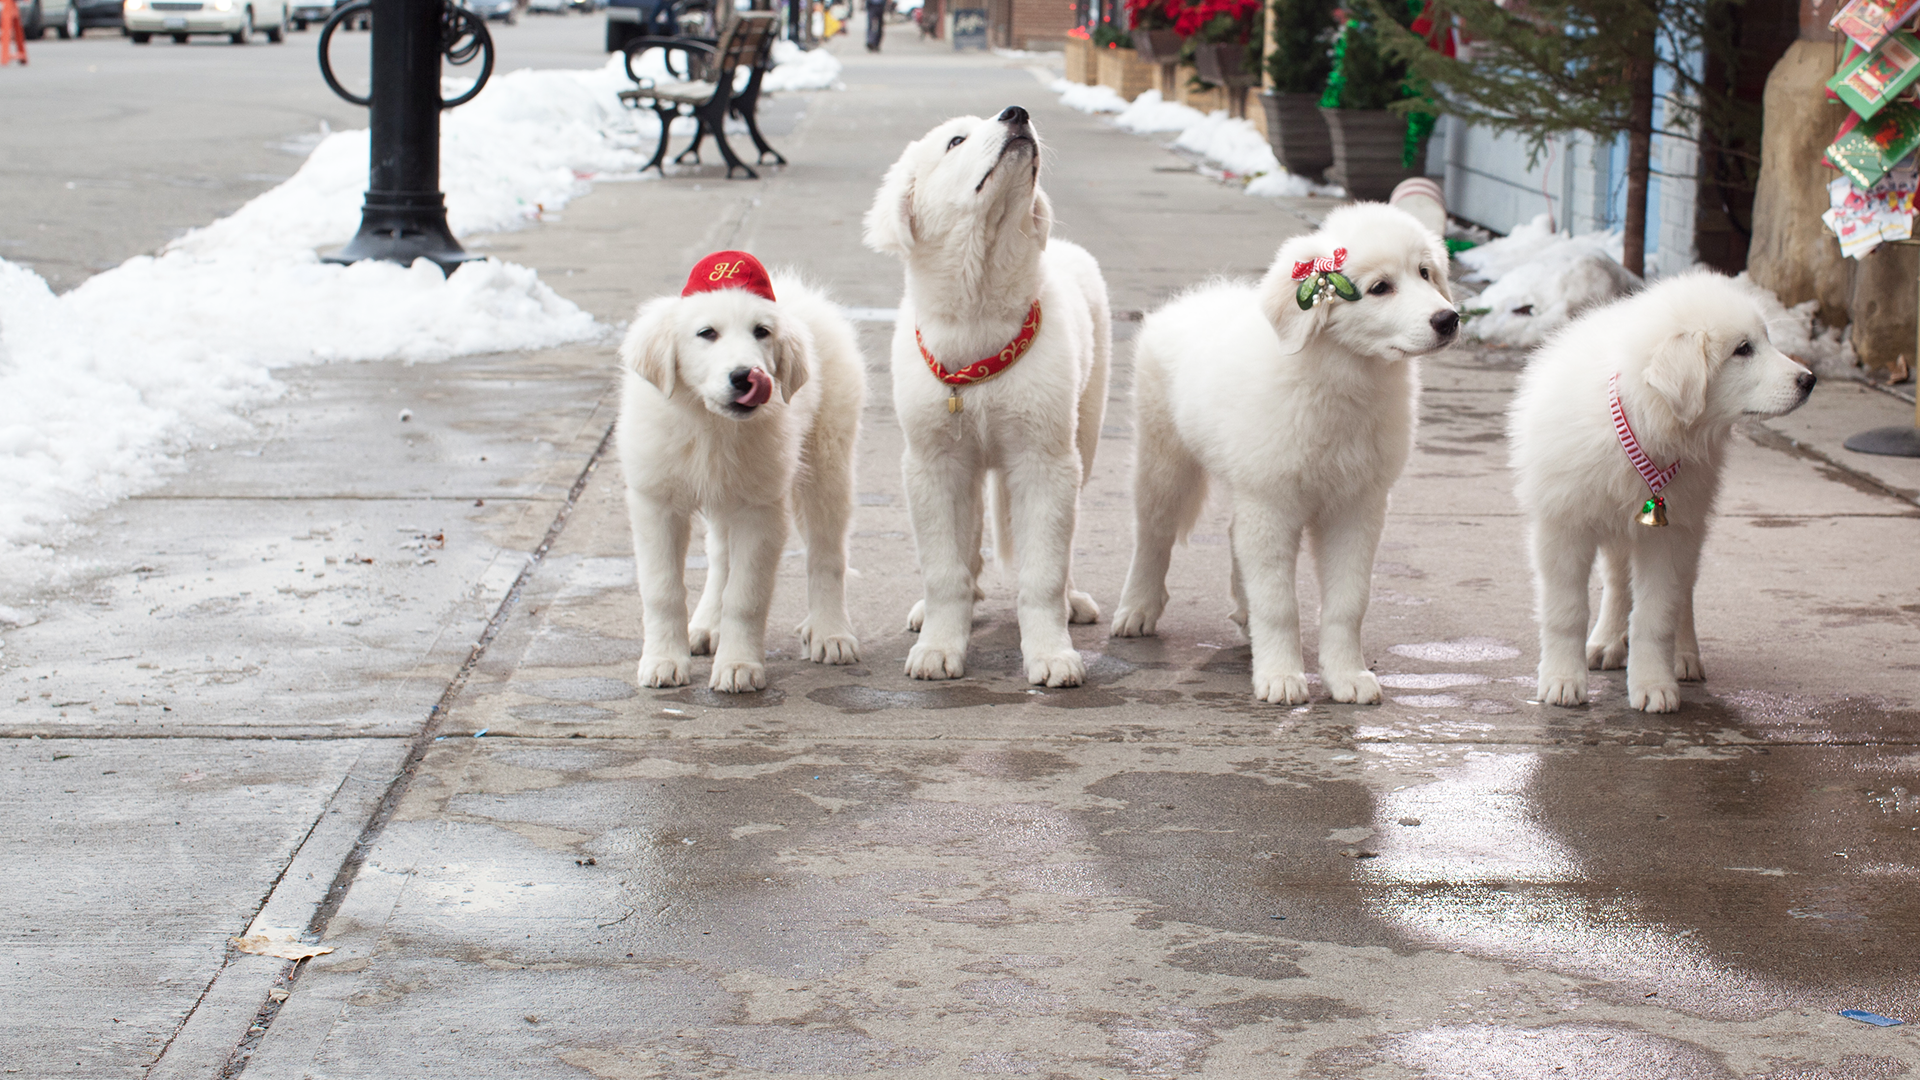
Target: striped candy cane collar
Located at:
point(982, 370)
point(1654, 510)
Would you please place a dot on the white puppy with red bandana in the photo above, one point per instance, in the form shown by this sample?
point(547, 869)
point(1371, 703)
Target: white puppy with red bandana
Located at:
point(1296, 394)
point(743, 409)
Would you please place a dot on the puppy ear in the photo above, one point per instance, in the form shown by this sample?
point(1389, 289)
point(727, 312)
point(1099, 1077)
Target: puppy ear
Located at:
point(649, 349)
point(1295, 327)
point(1042, 216)
point(889, 222)
point(792, 346)
point(1677, 372)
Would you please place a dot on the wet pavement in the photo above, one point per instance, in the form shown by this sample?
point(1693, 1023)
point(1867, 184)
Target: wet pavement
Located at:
point(852, 873)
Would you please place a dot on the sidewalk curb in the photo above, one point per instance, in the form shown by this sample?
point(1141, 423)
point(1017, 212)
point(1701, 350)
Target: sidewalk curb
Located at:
point(202, 1045)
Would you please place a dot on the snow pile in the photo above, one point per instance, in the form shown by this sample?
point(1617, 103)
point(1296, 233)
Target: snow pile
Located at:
point(795, 68)
point(1539, 280)
point(1089, 99)
point(1236, 147)
point(1148, 114)
point(99, 388)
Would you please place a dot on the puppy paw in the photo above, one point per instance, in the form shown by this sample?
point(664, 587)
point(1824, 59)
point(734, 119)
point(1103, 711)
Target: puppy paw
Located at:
point(1654, 697)
point(1357, 687)
point(1286, 689)
point(1687, 667)
point(664, 670)
point(738, 676)
point(916, 616)
point(703, 639)
point(1134, 622)
point(1057, 669)
point(1565, 688)
point(1608, 655)
point(834, 649)
point(929, 661)
point(1081, 608)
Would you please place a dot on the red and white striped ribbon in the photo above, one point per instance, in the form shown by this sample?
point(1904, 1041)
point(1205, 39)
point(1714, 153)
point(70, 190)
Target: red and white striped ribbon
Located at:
point(1655, 476)
point(1321, 265)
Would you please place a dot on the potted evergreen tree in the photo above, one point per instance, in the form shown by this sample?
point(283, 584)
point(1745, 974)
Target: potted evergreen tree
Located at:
point(1374, 146)
point(1299, 59)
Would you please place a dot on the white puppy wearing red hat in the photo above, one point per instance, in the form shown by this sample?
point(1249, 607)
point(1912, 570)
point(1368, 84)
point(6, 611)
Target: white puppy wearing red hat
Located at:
point(744, 409)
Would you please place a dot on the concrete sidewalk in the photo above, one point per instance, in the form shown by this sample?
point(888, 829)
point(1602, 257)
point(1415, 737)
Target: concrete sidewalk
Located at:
point(853, 872)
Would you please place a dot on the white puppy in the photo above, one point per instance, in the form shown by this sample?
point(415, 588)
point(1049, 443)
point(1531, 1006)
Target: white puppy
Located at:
point(1305, 416)
point(964, 209)
point(739, 408)
point(1688, 358)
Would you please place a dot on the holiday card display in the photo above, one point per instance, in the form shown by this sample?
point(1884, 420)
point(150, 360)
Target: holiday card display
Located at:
point(1867, 22)
point(1865, 151)
point(1878, 76)
point(1864, 219)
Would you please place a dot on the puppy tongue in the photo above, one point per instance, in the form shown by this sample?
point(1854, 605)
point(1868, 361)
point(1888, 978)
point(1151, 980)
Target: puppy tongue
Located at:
point(761, 390)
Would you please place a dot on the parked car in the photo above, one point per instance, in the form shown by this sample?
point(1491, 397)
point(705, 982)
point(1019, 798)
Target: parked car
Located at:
point(310, 11)
point(36, 16)
point(502, 10)
point(238, 20)
point(547, 7)
point(98, 13)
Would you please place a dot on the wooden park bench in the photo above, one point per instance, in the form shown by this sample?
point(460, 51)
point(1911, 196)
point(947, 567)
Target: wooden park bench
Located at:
point(707, 93)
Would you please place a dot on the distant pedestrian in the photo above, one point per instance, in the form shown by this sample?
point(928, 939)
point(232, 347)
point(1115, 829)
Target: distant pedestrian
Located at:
point(13, 36)
point(876, 23)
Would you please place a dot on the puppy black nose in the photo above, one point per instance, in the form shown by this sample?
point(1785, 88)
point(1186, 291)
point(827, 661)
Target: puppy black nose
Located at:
point(1013, 114)
point(741, 379)
point(1805, 381)
point(1445, 322)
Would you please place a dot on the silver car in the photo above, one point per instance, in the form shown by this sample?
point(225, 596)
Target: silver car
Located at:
point(237, 20)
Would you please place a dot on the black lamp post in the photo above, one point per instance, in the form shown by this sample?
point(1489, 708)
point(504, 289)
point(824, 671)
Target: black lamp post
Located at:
point(405, 215)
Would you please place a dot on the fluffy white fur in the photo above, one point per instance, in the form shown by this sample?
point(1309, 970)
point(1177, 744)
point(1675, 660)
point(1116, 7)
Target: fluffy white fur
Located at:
point(1306, 418)
point(688, 449)
point(963, 207)
point(1693, 359)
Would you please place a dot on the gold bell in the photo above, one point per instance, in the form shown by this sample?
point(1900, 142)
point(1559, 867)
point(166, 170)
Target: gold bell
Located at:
point(1652, 512)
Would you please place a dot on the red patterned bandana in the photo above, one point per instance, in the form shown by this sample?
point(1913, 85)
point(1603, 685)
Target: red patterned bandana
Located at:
point(982, 370)
point(729, 270)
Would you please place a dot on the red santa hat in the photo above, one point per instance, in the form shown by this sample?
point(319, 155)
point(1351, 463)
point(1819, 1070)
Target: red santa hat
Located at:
point(729, 270)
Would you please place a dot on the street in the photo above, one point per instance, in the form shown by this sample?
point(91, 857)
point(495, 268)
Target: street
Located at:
point(367, 678)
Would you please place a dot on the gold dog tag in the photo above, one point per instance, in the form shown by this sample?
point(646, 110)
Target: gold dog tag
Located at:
point(953, 405)
point(1652, 512)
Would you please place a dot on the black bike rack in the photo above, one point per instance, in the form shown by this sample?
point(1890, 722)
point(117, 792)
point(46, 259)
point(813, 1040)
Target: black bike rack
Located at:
point(405, 214)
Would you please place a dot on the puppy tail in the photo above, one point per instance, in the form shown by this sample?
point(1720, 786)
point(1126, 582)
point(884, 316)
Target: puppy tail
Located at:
point(1000, 518)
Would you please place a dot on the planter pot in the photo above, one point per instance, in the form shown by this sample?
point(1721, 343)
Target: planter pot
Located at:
point(1204, 98)
point(1367, 144)
point(1160, 48)
point(1224, 64)
point(1124, 72)
point(1298, 133)
point(1080, 66)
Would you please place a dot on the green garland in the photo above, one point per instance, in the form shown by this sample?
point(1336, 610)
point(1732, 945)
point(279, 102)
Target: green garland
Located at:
point(1337, 78)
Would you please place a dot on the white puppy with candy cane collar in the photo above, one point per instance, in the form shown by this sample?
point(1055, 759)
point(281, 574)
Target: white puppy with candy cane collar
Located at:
point(1619, 431)
point(1296, 395)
